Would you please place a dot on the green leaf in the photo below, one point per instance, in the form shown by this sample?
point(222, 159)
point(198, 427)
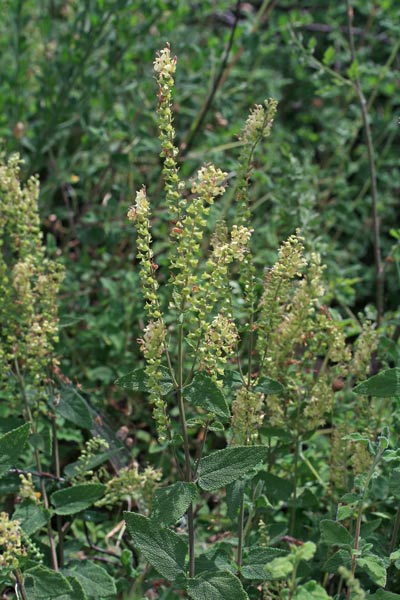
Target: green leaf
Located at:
point(77, 498)
point(345, 511)
point(31, 516)
point(329, 56)
point(394, 482)
point(256, 560)
point(374, 566)
point(341, 558)
point(383, 595)
point(234, 494)
point(77, 591)
point(383, 385)
point(46, 583)
point(73, 407)
point(12, 444)
point(306, 551)
point(171, 503)
point(162, 548)
point(216, 586)
point(266, 385)
point(93, 579)
point(205, 393)
point(224, 466)
point(334, 534)
point(310, 591)
point(138, 381)
point(275, 488)
point(279, 568)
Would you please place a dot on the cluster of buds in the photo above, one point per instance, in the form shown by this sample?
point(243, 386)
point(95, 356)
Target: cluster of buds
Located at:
point(140, 215)
point(206, 187)
point(29, 281)
point(219, 342)
point(11, 547)
point(92, 448)
point(131, 485)
point(26, 488)
point(164, 68)
point(247, 415)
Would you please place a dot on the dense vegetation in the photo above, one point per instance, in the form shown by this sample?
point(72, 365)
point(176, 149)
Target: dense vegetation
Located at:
point(199, 320)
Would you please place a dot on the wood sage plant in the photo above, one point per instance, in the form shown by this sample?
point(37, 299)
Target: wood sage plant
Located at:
point(213, 366)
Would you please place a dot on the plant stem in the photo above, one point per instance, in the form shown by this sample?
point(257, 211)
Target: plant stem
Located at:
point(292, 583)
point(50, 533)
point(239, 559)
point(372, 172)
point(360, 505)
point(20, 583)
point(294, 492)
point(188, 469)
point(58, 474)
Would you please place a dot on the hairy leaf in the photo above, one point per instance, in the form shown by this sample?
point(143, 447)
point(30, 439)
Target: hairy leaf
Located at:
point(137, 381)
point(12, 445)
point(334, 534)
point(93, 579)
point(161, 547)
point(216, 586)
point(225, 466)
point(171, 503)
point(384, 385)
point(205, 393)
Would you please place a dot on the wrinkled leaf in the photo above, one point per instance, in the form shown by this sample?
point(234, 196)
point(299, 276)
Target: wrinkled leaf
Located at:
point(266, 385)
point(225, 466)
point(383, 595)
point(93, 579)
point(279, 568)
point(46, 583)
point(216, 586)
point(31, 516)
point(334, 534)
point(12, 444)
point(310, 591)
point(384, 385)
point(171, 503)
point(77, 591)
point(256, 560)
point(374, 566)
point(341, 558)
point(205, 393)
point(161, 547)
point(137, 381)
